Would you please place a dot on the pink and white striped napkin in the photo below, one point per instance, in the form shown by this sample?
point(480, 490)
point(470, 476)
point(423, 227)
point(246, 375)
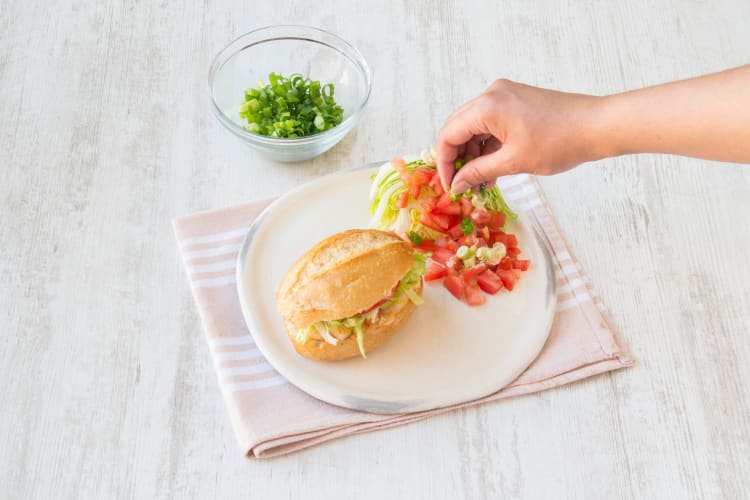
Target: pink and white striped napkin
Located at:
point(272, 417)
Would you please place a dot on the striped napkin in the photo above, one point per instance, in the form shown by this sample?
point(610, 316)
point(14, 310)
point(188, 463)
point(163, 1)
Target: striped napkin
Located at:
point(272, 417)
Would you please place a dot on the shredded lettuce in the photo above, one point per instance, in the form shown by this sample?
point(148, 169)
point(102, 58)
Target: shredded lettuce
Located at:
point(360, 337)
point(406, 287)
point(387, 187)
point(494, 200)
point(424, 232)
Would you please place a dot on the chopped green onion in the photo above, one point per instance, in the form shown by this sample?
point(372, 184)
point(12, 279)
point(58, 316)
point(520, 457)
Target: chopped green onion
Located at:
point(290, 107)
point(415, 238)
point(467, 227)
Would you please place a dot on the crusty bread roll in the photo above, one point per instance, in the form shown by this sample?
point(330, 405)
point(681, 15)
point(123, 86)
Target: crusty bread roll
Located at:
point(340, 277)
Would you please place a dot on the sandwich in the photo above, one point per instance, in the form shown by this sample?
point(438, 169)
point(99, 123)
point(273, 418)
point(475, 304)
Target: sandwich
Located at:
point(350, 293)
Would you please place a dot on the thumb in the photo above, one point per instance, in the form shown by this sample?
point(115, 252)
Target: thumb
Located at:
point(481, 170)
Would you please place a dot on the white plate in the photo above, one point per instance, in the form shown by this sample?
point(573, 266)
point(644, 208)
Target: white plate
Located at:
point(446, 353)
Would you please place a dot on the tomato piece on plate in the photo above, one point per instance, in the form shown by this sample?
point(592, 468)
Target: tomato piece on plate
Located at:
point(512, 241)
point(513, 252)
point(505, 264)
point(403, 200)
point(441, 242)
point(468, 240)
point(427, 246)
point(456, 232)
point(474, 296)
point(489, 282)
point(481, 242)
point(442, 221)
point(414, 190)
point(499, 237)
point(466, 207)
point(480, 217)
point(400, 165)
point(455, 286)
point(421, 176)
point(436, 185)
point(497, 220)
point(453, 264)
point(428, 204)
point(451, 245)
point(473, 272)
point(426, 219)
point(442, 255)
point(447, 206)
point(522, 264)
point(508, 278)
point(435, 270)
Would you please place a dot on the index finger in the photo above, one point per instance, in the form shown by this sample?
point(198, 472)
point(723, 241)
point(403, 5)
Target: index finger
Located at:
point(456, 132)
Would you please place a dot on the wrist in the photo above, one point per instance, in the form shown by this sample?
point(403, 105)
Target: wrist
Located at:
point(598, 131)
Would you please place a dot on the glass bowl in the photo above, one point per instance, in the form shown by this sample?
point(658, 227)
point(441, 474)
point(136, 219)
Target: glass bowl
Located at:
point(311, 52)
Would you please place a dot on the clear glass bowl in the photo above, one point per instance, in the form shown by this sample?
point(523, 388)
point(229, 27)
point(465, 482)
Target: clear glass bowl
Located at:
point(312, 52)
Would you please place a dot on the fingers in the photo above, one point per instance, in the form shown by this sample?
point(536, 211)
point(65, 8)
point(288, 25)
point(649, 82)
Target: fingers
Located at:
point(484, 169)
point(475, 146)
point(457, 131)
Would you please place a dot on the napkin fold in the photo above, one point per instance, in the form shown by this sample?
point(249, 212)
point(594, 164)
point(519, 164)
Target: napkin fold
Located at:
point(271, 417)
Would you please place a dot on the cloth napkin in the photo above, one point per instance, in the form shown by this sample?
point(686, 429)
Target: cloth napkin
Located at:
point(272, 417)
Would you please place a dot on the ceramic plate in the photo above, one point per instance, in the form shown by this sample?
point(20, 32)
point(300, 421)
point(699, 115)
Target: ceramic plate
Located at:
point(446, 353)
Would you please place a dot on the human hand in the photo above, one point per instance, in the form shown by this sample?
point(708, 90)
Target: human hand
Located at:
point(512, 128)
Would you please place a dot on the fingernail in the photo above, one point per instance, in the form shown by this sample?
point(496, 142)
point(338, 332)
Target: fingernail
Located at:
point(460, 186)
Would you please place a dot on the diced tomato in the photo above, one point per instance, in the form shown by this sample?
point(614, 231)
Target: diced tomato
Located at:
point(447, 206)
point(441, 242)
point(400, 165)
point(451, 245)
point(513, 252)
point(480, 217)
point(456, 232)
point(414, 190)
point(466, 207)
point(481, 242)
point(474, 296)
point(453, 264)
point(403, 200)
point(436, 185)
point(435, 270)
point(498, 237)
point(508, 278)
point(497, 220)
point(489, 282)
point(442, 255)
point(522, 264)
point(455, 286)
point(428, 204)
point(505, 264)
point(512, 241)
point(485, 233)
point(516, 273)
point(427, 246)
point(442, 221)
point(473, 272)
point(421, 176)
point(468, 240)
point(426, 219)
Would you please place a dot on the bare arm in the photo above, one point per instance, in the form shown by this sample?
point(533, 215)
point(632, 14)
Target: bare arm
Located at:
point(513, 128)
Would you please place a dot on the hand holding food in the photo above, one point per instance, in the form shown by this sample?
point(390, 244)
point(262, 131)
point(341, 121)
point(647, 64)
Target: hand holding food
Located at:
point(464, 234)
point(512, 128)
point(350, 293)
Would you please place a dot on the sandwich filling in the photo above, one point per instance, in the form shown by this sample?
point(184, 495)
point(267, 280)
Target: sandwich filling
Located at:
point(334, 331)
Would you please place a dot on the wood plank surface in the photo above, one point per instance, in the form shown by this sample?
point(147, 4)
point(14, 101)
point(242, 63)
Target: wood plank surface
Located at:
point(107, 389)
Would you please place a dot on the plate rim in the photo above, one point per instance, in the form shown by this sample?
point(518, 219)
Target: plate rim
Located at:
point(369, 405)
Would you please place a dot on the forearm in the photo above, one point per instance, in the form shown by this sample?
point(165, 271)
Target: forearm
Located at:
point(705, 117)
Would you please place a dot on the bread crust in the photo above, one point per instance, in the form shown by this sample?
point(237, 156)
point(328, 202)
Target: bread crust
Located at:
point(342, 276)
point(376, 334)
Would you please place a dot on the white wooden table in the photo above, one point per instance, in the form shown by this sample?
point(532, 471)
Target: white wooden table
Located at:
point(107, 390)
